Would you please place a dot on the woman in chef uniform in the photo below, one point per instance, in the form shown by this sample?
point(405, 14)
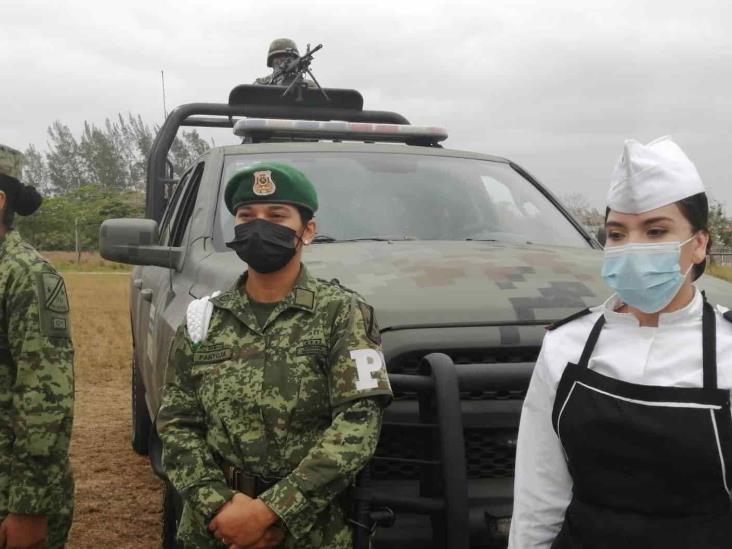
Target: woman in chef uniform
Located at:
point(625, 438)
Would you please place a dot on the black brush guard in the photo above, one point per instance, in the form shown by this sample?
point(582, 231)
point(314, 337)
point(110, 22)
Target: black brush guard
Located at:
point(439, 385)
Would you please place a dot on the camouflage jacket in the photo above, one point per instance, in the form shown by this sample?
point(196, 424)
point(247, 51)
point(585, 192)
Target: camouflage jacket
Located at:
point(299, 400)
point(36, 386)
point(284, 80)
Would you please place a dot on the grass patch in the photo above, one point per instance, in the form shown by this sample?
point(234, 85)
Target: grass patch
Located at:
point(117, 494)
point(90, 262)
point(100, 321)
point(720, 271)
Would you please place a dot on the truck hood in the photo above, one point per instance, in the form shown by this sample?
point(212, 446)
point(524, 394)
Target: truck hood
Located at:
point(439, 283)
point(429, 283)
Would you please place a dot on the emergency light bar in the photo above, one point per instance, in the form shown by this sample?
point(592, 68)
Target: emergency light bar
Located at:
point(346, 131)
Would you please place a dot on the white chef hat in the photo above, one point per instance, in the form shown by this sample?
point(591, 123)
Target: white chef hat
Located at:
point(650, 176)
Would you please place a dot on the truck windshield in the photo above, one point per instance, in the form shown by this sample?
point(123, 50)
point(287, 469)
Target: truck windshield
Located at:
point(390, 196)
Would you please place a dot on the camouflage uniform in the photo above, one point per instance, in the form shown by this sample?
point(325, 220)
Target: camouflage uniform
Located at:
point(11, 161)
point(299, 400)
point(36, 389)
point(281, 46)
point(284, 80)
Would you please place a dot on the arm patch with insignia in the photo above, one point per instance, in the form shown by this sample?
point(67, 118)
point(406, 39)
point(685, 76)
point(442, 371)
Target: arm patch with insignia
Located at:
point(369, 322)
point(53, 305)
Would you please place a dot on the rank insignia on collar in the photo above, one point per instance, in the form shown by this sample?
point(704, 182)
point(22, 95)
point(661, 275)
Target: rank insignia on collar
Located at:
point(263, 183)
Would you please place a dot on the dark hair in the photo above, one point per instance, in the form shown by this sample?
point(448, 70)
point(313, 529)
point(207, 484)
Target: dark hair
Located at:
point(305, 214)
point(695, 209)
point(20, 198)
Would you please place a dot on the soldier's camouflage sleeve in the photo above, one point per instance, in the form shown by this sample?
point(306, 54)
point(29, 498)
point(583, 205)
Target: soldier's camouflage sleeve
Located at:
point(43, 394)
point(350, 441)
point(356, 361)
point(181, 424)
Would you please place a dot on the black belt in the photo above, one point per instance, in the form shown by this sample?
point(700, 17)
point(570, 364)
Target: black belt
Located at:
point(247, 484)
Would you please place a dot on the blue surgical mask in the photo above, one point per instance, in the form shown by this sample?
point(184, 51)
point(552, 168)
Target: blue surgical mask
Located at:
point(645, 276)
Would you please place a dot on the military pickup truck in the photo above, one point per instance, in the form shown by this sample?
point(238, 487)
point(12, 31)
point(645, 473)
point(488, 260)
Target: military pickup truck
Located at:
point(464, 256)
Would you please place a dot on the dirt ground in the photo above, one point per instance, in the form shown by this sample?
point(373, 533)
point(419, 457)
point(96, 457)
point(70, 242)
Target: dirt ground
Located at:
point(118, 498)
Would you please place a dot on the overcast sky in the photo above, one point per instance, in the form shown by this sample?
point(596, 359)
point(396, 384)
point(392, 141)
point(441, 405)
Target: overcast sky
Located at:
point(554, 86)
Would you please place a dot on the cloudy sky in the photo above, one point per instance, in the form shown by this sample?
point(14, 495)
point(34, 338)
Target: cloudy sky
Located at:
point(555, 86)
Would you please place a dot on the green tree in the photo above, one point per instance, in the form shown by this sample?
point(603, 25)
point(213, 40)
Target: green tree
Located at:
point(103, 156)
point(136, 140)
point(720, 226)
point(64, 159)
point(185, 149)
point(35, 170)
point(71, 220)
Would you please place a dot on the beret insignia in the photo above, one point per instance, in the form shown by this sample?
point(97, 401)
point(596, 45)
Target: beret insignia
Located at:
point(263, 183)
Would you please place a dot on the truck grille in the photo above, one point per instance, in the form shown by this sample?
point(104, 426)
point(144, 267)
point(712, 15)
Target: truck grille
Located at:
point(407, 452)
point(490, 453)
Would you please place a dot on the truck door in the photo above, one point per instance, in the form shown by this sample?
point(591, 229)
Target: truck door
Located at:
point(147, 284)
point(172, 297)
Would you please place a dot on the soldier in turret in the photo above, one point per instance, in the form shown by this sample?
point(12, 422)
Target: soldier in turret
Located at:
point(282, 51)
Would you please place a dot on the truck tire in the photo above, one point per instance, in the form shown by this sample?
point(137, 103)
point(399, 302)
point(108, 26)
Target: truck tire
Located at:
point(141, 423)
point(172, 509)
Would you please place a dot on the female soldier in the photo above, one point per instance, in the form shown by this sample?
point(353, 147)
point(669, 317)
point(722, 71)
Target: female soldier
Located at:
point(275, 388)
point(36, 381)
point(626, 435)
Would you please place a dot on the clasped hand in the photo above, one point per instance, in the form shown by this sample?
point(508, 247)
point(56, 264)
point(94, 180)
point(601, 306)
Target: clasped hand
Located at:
point(246, 523)
point(23, 532)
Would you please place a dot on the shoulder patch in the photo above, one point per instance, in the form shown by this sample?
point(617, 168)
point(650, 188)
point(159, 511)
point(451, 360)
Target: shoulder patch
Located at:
point(53, 305)
point(570, 318)
point(54, 290)
point(369, 322)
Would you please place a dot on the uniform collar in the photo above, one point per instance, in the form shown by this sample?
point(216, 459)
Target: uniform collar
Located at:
point(303, 296)
point(692, 311)
point(9, 241)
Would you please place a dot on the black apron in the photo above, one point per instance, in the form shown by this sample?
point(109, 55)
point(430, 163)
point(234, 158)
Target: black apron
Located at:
point(650, 465)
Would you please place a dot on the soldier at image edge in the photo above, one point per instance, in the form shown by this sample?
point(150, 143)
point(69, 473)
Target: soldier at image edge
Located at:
point(36, 380)
point(275, 388)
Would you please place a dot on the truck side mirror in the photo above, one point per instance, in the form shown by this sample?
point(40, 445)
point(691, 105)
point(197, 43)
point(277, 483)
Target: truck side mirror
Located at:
point(134, 241)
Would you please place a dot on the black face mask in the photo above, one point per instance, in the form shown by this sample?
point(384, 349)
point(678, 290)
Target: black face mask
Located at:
point(265, 246)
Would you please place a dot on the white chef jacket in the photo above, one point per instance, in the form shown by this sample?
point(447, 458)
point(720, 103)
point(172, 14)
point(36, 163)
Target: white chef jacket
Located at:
point(668, 355)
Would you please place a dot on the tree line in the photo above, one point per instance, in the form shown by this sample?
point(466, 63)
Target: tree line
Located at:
point(89, 177)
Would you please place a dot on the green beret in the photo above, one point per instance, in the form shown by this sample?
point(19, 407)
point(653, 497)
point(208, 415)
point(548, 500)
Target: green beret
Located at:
point(271, 183)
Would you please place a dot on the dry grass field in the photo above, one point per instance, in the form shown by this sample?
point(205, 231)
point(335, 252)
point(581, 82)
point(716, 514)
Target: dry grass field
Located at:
point(90, 261)
point(118, 499)
point(720, 271)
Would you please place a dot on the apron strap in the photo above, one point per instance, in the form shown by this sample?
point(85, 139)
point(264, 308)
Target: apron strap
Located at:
point(709, 346)
point(591, 342)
